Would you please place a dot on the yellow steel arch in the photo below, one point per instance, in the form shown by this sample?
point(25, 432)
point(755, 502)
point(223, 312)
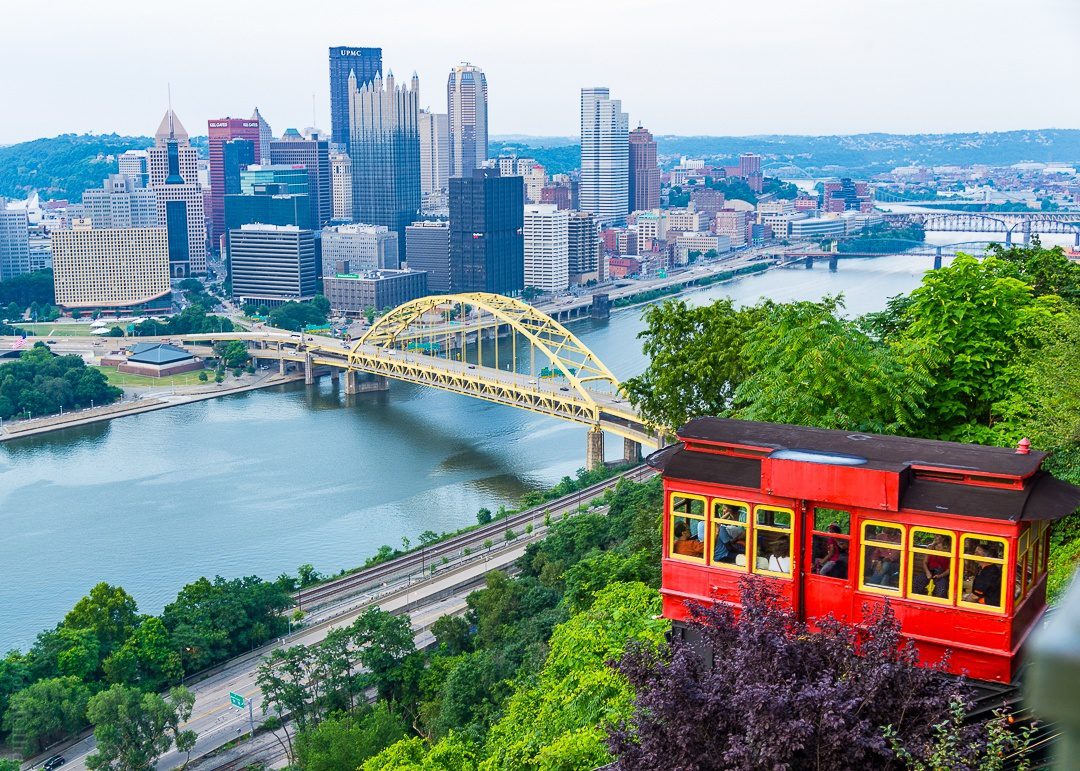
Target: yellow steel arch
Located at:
point(578, 364)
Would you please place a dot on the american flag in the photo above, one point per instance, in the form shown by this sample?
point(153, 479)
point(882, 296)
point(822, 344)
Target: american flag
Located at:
point(19, 344)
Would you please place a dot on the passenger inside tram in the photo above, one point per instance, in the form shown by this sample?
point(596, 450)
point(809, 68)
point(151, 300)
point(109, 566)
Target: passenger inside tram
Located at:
point(982, 577)
point(685, 541)
point(933, 576)
point(884, 563)
point(730, 542)
point(832, 559)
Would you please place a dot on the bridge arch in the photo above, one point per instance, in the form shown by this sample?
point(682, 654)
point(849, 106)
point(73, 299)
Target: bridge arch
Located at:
point(564, 351)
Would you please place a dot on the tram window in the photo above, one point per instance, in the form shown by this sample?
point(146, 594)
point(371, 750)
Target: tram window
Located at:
point(982, 563)
point(687, 527)
point(824, 519)
point(1021, 576)
point(931, 565)
point(729, 523)
point(772, 541)
point(882, 557)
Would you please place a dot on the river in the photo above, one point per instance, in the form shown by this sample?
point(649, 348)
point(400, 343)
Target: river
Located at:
point(258, 483)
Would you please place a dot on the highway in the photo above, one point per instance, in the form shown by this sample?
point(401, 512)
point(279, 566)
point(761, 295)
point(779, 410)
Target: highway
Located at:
point(397, 586)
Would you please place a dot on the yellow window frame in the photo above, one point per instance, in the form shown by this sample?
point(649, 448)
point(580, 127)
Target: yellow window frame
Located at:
point(901, 547)
point(1023, 558)
point(1006, 575)
point(704, 519)
point(714, 519)
point(913, 550)
point(789, 531)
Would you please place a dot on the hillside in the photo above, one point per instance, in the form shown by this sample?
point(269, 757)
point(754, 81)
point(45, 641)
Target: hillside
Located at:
point(63, 166)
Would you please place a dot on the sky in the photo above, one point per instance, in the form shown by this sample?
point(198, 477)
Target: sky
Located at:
point(691, 67)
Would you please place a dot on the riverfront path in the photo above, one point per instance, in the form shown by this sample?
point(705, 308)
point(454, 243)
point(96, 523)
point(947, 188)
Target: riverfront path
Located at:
point(397, 586)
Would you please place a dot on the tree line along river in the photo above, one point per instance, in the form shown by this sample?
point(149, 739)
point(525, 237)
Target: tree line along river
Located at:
point(260, 482)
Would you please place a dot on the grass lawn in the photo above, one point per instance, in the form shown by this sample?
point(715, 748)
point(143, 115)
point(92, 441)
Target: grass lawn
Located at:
point(56, 330)
point(126, 379)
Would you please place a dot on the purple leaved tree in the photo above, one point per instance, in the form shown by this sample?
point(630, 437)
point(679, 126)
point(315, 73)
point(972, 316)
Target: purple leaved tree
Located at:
point(781, 696)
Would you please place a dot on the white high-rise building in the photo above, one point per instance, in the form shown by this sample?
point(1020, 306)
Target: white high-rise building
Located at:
point(121, 204)
point(135, 164)
point(174, 179)
point(605, 157)
point(14, 241)
point(341, 185)
point(547, 247)
point(434, 155)
point(186, 156)
point(362, 247)
point(466, 105)
point(266, 136)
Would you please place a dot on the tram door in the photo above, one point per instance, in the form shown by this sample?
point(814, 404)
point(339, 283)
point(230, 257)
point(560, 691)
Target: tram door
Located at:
point(828, 562)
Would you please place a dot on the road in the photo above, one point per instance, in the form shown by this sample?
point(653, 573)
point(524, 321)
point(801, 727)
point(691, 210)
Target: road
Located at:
point(401, 590)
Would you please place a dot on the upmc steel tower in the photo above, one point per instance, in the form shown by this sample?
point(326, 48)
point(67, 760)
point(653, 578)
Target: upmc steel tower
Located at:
point(367, 64)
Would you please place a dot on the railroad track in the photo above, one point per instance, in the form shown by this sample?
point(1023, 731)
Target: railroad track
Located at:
point(377, 575)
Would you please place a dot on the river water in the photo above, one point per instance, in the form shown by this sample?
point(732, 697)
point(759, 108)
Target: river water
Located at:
point(258, 483)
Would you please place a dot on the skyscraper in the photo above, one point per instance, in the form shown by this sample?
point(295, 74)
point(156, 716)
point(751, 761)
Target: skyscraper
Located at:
point(314, 155)
point(385, 150)
point(221, 131)
point(486, 220)
point(466, 104)
point(644, 177)
point(14, 241)
point(266, 135)
point(427, 248)
point(583, 248)
point(366, 65)
point(434, 155)
point(238, 154)
point(180, 200)
point(605, 162)
point(341, 185)
point(272, 263)
point(546, 247)
point(120, 204)
point(135, 164)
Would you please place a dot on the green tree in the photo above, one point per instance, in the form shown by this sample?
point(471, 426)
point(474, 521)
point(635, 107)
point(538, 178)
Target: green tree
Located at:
point(15, 675)
point(451, 635)
point(1048, 271)
point(483, 516)
point(147, 659)
point(46, 711)
point(80, 655)
point(451, 753)
point(388, 652)
point(975, 319)
point(110, 612)
point(7, 764)
point(345, 741)
point(695, 357)
point(809, 366)
point(132, 728)
point(233, 353)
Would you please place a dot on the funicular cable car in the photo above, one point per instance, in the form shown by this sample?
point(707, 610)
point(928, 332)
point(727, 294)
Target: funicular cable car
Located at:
point(953, 536)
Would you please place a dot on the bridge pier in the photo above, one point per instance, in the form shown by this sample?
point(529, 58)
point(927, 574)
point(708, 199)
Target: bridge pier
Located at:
point(371, 383)
point(809, 263)
point(834, 263)
point(350, 382)
point(1076, 240)
point(631, 451)
point(280, 363)
point(937, 258)
point(309, 370)
point(1027, 232)
point(1008, 237)
point(334, 375)
point(594, 449)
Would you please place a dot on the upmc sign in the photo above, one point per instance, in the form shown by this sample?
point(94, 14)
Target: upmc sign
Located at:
point(350, 52)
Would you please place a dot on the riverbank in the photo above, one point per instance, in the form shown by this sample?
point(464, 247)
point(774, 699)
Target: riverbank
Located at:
point(140, 404)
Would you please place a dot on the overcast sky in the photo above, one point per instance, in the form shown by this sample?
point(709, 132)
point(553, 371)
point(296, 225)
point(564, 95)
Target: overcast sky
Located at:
point(687, 67)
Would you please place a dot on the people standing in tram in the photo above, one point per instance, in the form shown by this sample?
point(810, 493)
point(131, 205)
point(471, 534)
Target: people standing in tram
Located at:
point(936, 569)
point(834, 563)
point(986, 584)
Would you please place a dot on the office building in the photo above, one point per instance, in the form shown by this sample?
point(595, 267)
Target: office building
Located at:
point(14, 241)
point(181, 202)
point(341, 186)
point(434, 156)
point(288, 179)
point(385, 151)
point(535, 181)
point(683, 220)
point(427, 248)
point(845, 195)
point(314, 155)
point(353, 293)
point(466, 106)
point(546, 247)
point(136, 165)
point(706, 200)
point(364, 247)
point(644, 176)
point(486, 220)
point(111, 269)
point(237, 155)
point(733, 225)
point(364, 65)
point(120, 204)
point(699, 245)
point(583, 255)
point(265, 205)
point(561, 195)
point(187, 158)
point(221, 130)
point(605, 157)
point(272, 264)
point(266, 135)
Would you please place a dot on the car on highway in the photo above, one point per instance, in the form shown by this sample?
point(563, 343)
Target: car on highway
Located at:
point(54, 762)
point(532, 382)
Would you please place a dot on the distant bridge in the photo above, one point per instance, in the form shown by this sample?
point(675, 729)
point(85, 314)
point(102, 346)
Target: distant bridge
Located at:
point(533, 362)
point(1009, 223)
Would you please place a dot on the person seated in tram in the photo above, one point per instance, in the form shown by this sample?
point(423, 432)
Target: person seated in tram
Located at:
point(986, 583)
point(885, 563)
point(685, 542)
point(936, 568)
point(730, 542)
point(834, 562)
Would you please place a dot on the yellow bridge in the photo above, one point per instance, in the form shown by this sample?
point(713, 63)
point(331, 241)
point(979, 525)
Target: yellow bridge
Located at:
point(482, 345)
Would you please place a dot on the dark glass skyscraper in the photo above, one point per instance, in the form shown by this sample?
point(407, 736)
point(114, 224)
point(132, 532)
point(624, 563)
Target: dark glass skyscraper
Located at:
point(487, 250)
point(385, 152)
point(367, 64)
point(314, 155)
point(238, 154)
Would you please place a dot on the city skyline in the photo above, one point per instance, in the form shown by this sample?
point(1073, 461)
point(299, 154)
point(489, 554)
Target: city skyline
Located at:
point(918, 77)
